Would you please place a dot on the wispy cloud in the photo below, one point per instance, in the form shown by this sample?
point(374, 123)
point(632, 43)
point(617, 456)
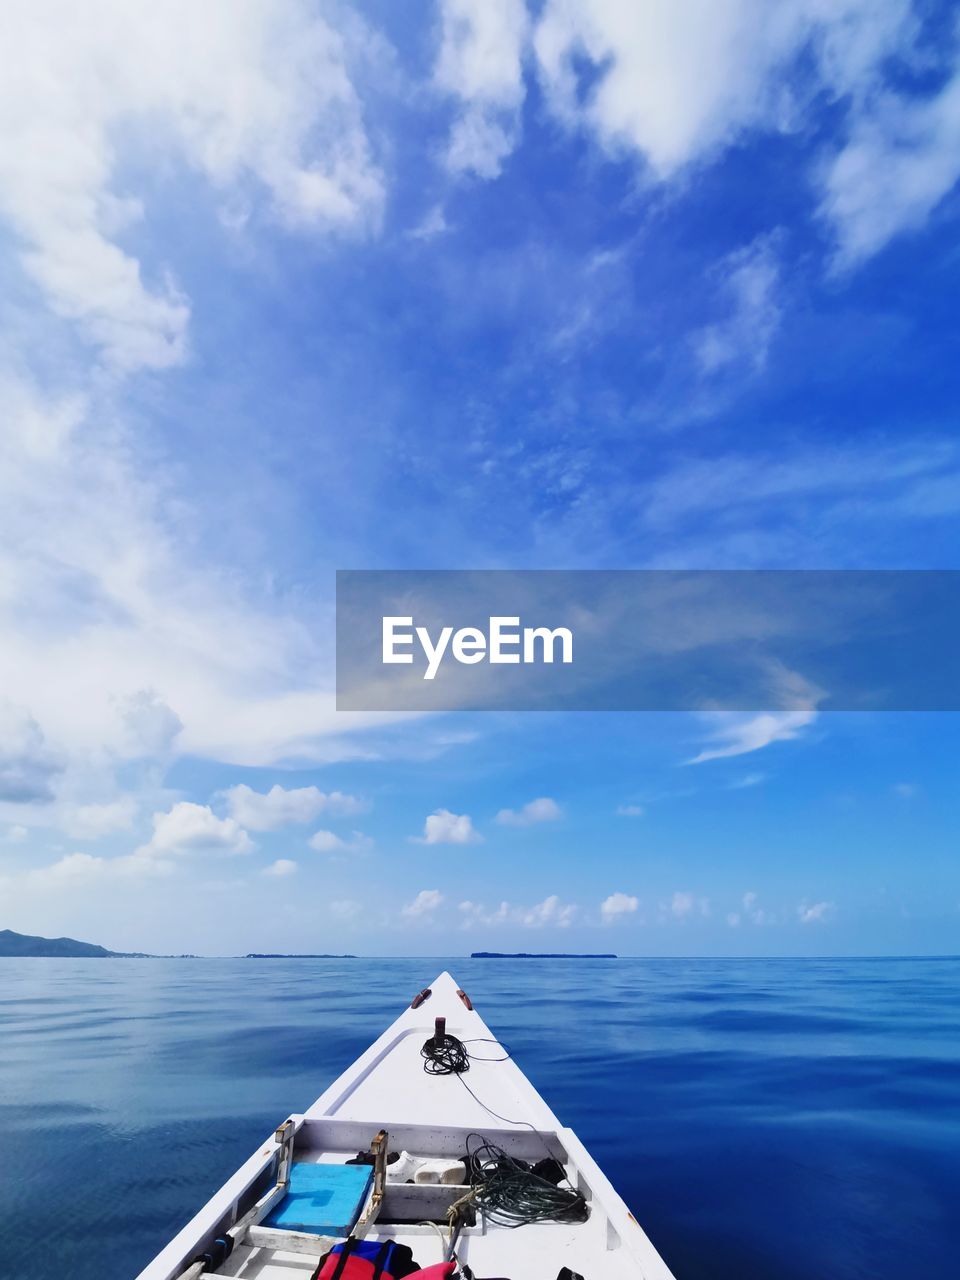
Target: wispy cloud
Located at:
point(751, 278)
point(741, 736)
point(815, 912)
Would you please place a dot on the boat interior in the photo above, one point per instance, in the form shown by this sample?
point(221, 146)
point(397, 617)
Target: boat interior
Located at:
point(307, 1199)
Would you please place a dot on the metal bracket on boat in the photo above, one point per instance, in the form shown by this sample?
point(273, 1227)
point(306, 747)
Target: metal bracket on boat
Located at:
point(284, 1138)
point(378, 1149)
point(420, 997)
point(465, 1000)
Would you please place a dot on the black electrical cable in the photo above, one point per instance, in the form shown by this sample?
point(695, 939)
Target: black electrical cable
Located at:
point(450, 1056)
point(445, 1056)
point(507, 1190)
point(510, 1194)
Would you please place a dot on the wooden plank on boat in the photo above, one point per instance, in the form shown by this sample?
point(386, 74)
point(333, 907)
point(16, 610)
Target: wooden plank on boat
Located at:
point(289, 1241)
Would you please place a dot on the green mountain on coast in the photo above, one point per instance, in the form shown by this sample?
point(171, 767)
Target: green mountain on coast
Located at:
point(25, 944)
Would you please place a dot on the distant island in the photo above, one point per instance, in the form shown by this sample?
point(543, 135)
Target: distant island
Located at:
point(541, 955)
point(294, 955)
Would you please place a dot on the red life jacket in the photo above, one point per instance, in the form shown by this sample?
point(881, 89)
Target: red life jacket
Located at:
point(376, 1260)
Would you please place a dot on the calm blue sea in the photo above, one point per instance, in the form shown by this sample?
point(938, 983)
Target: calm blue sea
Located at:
point(764, 1119)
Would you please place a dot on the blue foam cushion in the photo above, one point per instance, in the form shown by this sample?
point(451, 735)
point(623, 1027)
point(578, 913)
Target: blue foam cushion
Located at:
point(325, 1199)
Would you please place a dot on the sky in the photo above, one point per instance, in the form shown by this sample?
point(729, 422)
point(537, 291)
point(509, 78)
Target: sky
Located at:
point(290, 288)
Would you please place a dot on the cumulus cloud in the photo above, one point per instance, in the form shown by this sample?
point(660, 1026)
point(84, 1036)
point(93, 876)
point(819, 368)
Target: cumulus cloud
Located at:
point(282, 867)
point(630, 811)
point(330, 842)
point(480, 63)
point(427, 900)
point(542, 810)
point(815, 912)
point(16, 834)
point(281, 806)
point(195, 828)
point(444, 827)
point(617, 905)
point(256, 99)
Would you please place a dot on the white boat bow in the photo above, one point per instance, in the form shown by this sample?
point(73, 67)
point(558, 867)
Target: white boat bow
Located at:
point(386, 1103)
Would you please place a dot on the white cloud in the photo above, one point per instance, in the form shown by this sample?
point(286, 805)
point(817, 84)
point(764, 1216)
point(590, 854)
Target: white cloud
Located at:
point(190, 828)
point(28, 767)
point(346, 908)
point(902, 158)
point(906, 790)
point(683, 905)
point(480, 62)
point(617, 905)
point(280, 806)
point(151, 726)
point(753, 912)
point(630, 810)
point(740, 736)
point(542, 810)
point(282, 867)
point(91, 821)
point(76, 869)
point(815, 912)
point(16, 834)
point(747, 781)
point(253, 97)
point(427, 900)
point(677, 83)
point(433, 223)
point(330, 842)
point(750, 280)
point(733, 919)
point(550, 913)
point(444, 827)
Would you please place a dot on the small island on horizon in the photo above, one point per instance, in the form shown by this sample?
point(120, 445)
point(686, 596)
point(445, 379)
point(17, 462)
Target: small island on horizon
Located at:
point(297, 955)
point(542, 955)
